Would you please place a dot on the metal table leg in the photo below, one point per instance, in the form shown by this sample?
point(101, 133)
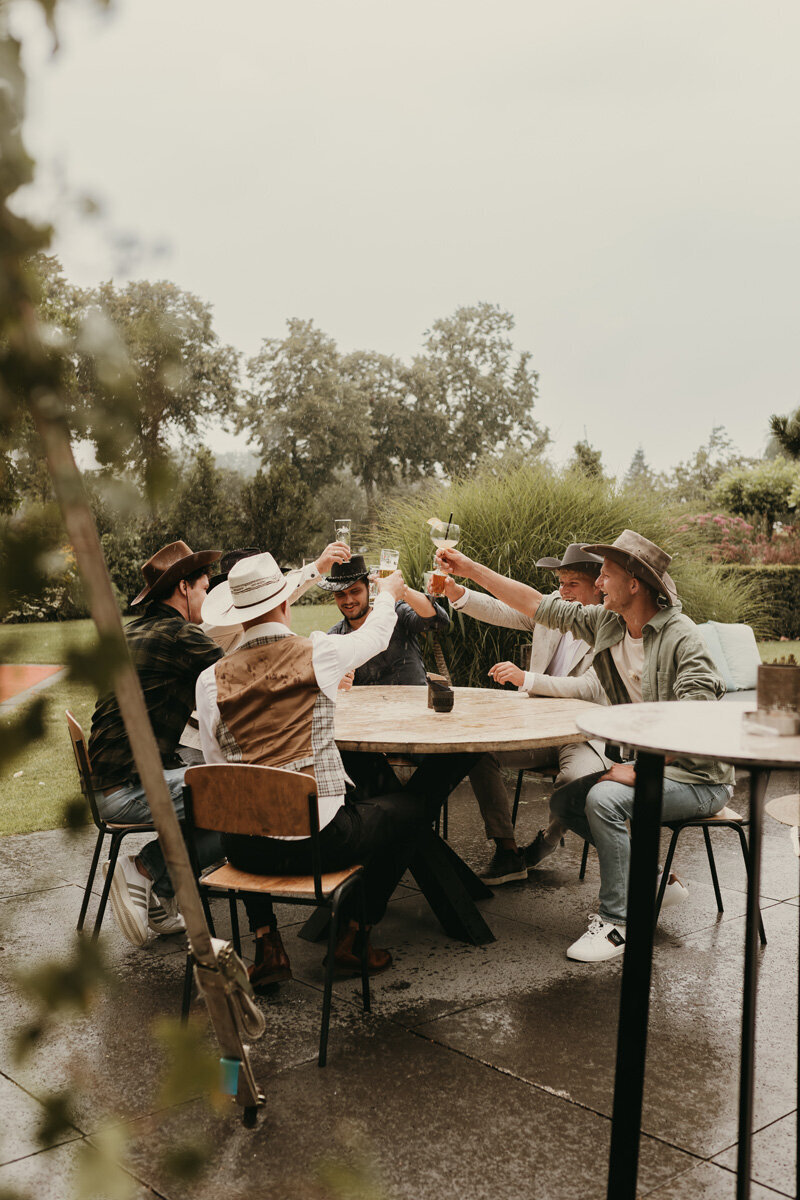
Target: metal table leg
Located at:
point(634, 1003)
point(758, 788)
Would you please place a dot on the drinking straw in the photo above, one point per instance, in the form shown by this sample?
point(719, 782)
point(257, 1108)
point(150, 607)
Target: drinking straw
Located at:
point(449, 523)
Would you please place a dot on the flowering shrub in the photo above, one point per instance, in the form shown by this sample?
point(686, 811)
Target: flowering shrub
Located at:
point(734, 540)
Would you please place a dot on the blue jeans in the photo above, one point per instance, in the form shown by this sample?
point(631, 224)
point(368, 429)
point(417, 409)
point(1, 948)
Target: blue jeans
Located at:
point(598, 812)
point(128, 806)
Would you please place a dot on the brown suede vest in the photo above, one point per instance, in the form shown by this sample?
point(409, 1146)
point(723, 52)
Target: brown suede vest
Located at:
point(266, 692)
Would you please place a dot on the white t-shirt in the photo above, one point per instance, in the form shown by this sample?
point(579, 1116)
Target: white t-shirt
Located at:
point(628, 656)
point(567, 652)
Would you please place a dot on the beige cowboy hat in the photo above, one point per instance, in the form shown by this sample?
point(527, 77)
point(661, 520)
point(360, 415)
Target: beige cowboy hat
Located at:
point(169, 565)
point(254, 586)
point(642, 559)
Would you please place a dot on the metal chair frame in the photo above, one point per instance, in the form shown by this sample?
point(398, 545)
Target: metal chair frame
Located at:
point(116, 831)
point(704, 823)
point(331, 900)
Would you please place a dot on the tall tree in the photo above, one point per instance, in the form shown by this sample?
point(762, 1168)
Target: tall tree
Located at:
point(765, 491)
point(694, 480)
point(640, 474)
point(160, 342)
point(785, 433)
point(397, 432)
point(587, 460)
point(298, 408)
point(484, 391)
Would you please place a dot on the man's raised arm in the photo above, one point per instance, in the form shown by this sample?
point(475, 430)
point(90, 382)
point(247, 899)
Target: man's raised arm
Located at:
point(518, 595)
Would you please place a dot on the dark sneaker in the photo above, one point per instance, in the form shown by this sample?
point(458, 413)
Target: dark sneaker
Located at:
point(538, 850)
point(506, 866)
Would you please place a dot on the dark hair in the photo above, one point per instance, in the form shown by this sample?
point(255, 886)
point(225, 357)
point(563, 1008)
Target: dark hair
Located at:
point(590, 569)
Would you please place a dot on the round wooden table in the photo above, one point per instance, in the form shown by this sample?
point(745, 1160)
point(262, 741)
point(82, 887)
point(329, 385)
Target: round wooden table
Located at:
point(397, 720)
point(699, 730)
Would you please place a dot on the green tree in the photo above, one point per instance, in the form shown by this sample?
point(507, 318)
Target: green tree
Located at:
point(640, 474)
point(177, 373)
point(277, 509)
point(785, 433)
point(298, 408)
point(396, 430)
point(587, 460)
point(693, 481)
point(483, 391)
point(765, 492)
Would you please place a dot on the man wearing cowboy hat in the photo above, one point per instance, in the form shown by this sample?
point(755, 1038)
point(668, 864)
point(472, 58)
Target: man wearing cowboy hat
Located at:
point(645, 649)
point(560, 665)
point(401, 661)
point(168, 651)
point(272, 702)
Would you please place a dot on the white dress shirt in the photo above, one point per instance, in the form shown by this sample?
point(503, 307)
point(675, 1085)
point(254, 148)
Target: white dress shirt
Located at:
point(331, 658)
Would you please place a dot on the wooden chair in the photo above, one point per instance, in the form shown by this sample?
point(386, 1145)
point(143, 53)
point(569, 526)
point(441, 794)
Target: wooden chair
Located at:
point(116, 831)
point(269, 802)
point(726, 818)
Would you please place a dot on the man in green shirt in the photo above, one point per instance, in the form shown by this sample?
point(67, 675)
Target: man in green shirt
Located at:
point(645, 649)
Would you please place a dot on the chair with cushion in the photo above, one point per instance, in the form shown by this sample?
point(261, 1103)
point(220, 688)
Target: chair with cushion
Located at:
point(735, 653)
point(255, 801)
point(116, 831)
point(726, 818)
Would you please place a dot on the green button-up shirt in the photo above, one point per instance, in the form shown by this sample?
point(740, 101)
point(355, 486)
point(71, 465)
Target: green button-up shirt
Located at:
point(677, 666)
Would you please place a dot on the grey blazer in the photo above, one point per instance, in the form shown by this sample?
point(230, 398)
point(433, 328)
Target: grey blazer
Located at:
point(580, 684)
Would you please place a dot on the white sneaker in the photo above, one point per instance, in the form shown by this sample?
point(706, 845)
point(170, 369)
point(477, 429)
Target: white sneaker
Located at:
point(130, 899)
point(163, 916)
point(675, 892)
point(603, 940)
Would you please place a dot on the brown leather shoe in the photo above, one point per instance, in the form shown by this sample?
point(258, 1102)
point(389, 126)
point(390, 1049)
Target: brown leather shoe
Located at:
point(272, 962)
point(347, 956)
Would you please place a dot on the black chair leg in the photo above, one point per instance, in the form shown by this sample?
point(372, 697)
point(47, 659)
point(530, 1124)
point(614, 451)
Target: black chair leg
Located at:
point(328, 989)
point(113, 854)
point(713, 867)
point(187, 988)
point(237, 941)
point(662, 887)
point(362, 930)
point(584, 860)
point(207, 910)
point(89, 882)
point(517, 794)
point(746, 856)
point(445, 819)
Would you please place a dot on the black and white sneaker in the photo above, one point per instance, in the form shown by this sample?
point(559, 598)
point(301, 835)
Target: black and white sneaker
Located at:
point(130, 899)
point(163, 916)
point(602, 941)
point(506, 866)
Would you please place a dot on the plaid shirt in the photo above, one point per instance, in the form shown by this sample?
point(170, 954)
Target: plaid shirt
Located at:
point(168, 653)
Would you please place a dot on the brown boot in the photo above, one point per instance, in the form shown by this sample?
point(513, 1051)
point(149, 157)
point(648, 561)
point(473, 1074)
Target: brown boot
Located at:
point(272, 961)
point(347, 955)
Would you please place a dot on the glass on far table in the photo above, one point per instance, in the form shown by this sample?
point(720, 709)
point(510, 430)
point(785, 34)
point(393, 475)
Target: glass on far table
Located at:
point(390, 560)
point(445, 536)
point(341, 528)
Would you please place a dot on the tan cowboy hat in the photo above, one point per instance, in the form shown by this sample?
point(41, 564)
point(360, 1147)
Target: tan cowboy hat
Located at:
point(254, 586)
point(642, 559)
point(574, 556)
point(169, 565)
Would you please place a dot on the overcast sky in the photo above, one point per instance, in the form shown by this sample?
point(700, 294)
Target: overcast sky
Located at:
point(621, 175)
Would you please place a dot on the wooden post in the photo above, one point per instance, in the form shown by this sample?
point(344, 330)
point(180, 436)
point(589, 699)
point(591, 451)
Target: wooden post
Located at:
point(82, 532)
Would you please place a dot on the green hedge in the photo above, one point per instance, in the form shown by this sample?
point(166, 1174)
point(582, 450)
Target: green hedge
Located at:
point(778, 586)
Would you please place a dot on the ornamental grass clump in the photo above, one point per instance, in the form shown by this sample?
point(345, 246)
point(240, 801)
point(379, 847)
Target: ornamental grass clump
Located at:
point(509, 520)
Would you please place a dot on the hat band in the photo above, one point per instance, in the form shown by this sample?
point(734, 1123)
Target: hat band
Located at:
point(249, 587)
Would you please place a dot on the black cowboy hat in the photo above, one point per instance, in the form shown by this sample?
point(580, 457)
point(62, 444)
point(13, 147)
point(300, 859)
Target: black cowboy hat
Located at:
point(230, 560)
point(344, 575)
point(574, 556)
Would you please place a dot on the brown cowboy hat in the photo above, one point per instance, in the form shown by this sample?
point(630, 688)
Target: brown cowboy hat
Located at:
point(170, 564)
point(642, 559)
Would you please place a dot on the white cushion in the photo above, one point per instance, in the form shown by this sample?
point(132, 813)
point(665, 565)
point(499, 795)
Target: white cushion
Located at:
point(739, 647)
point(710, 636)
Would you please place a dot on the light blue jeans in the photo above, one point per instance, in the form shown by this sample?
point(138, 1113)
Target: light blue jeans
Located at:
point(128, 806)
point(598, 812)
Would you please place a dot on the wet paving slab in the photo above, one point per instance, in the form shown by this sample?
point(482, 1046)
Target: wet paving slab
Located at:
point(53, 1175)
point(774, 1155)
point(410, 1119)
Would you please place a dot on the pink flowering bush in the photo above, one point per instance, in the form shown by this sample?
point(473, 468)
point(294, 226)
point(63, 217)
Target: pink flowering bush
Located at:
point(734, 540)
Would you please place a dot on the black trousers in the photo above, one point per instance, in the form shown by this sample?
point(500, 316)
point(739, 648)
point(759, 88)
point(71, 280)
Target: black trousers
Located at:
point(378, 831)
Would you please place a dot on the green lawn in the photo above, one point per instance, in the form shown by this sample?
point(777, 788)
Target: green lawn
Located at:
point(36, 798)
point(770, 651)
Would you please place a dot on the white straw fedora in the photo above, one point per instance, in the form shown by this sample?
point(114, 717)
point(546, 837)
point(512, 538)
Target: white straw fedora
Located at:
point(254, 587)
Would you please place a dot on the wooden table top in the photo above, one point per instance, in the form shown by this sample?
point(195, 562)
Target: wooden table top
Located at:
point(701, 730)
point(398, 720)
